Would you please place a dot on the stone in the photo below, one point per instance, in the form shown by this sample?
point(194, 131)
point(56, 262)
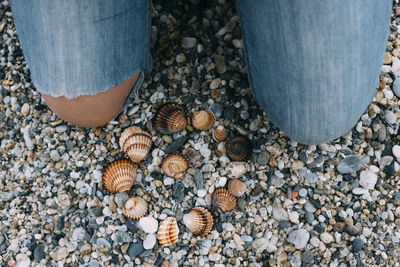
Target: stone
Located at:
point(120, 199)
point(135, 249)
point(189, 42)
point(339, 227)
point(148, 225)
point(299, 238)
point(217, 109)
point(263, 158)
point(25, 109)
point(149, 242)
point(94, 263)
point(359, 191)
point(284, 224)
point(368, 179)
point(175, 145)
point(215, 83)
point(390, 117)
point(262, 244)
point(60, 254)
point(326, 238)
point(396, 87)
point(396, 151)
point(357, 245)
point(307, 257)
point(54, 155)
point(309, 216)
point(303, 192)
point(101, 242)
point(220, 64)
point(352, 230)
point(123, 237)
point(309, 207)
point(179, 191)
point(276, 181)
point(349, 164)
point(85, 249)
point(131, 225)
point(214, 256)
point(38, 253)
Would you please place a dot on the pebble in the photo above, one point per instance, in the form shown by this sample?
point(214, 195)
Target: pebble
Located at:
point(123, 237)
point(201, 193)
point(168, 181)
point(307, 257)
point(339, 227)
point(179, 191)
point(390, 117)
point(263, 158)
point(189, 42)
point(217, 109)
point(326, 238)
point(60, 254)
point(198, 178)
point(135, 249)
point(349, 164)
point(359, 191)
point(299, 238)
point(220, 64)
point(38, 253)
point(148, 225)
point(214, 257)
point(357, 245)
point(131, 225)
point(396, 87)
point(277, 182)
point(54, 155)
point(175, 145)
point(368, 179)
point(396, 150)
point(120, 199)
point(309, 216)
point(25, 109)
point(352, 230)
point(61, 128)
point(101, 242)
point(303, 192)
point(149, 242)
point(309, 207)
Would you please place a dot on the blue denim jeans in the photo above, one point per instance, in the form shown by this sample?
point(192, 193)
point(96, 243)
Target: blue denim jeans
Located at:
point(313, 65)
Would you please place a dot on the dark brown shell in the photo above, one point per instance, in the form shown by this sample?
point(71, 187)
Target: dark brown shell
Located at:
point(223, 200)
point(119, 176)
point(199, 221)
point(239, 148)
point(193, 157)
point(169, 118)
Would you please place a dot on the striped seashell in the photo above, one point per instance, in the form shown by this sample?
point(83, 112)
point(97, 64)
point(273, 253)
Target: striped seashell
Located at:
point(237, 188)
point(136, 143)
point(203, 119)
point(168, 232)
point(220, 133)
point(174, 166)
point(239, 148)
point(135, 208)
point(223, 200)
point(119, 176)
point(237, 169)
point(169, 118)
point(199, 221)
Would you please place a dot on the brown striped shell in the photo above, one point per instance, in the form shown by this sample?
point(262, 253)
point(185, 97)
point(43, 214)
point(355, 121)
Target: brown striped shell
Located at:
point(220, 133)
point(199, 221)
point(119, 176)
point(239, 148)
point(237, 188)
point(203, 119)
point(174, 166)
point(169, 118)
point(223, 200)
point(168, 232)
point(135, 142)
point(135, 208)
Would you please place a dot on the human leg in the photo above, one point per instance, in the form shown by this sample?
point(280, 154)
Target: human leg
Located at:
point(85, 56)
point(314, 65)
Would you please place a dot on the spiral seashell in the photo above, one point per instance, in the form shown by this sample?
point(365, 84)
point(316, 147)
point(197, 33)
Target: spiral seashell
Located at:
point(168, 232)
point(135, 208)
point(220, 133)
point(135, 142)
point(237, 169)
point(239, 148)
point(223, 200)
point(237, 188)
point(119, 176)
point(174, 166)
point(203, 119)
point(199, 221)
point(169, 118)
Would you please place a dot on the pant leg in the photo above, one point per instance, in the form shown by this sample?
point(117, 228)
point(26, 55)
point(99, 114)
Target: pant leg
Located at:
point(314, 65)
point(83, 47)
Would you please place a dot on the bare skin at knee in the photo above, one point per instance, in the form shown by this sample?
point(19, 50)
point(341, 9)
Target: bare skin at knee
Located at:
point(92, 111)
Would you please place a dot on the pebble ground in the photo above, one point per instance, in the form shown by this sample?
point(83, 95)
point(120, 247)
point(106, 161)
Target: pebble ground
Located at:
point(335, 204)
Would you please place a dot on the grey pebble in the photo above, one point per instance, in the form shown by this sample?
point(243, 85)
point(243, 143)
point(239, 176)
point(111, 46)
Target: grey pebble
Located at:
point(246, 238)
point(309, 217)
point(349, 164)
point(179, 191)
point(217, 109)
point(303, 192)
point(103, 242)
point(357, 245)
point(352, 230)
point(94, 263)
point(277, 181)
point(263, 158)
point(120, 199)
point(135, 249)
point(284, 224)
point(175, 145)
point(131, 225)
point(189, 42)
point(123, 237)
point(38, 253)
point(307, 257)
point(61, 128)
point(198, 179)
point(309, 207)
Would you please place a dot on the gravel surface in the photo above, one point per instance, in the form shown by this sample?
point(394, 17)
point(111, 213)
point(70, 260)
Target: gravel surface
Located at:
point(334, 204)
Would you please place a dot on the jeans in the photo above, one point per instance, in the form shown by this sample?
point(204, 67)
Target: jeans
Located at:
point(313, 65)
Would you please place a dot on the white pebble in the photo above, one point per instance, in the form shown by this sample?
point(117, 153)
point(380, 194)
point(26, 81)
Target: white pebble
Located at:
point(368, 179)
point(201, 193)
point(25, 109)
point(326, 238)
point(396, 151)
point(148, 225)
point(168, 181)
point(390, 117)
point(149, 242)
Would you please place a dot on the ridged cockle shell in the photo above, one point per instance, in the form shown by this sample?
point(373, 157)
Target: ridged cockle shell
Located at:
point(119, 176)
point(135, 208)
point(168, 232)
point(237, 188)
point(199, 221)
point(169, 118)
point(135, 142)
point(223, 200)
point(220, 133)
point(239, 148)
point(203, 119)
point(174, 166)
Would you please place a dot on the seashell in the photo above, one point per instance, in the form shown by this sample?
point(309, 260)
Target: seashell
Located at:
point(220, 133)
point(193, 157)
point(135, 208)
point(119, 176)
point(199, 221)
point(237, 188)
point(169, 118)
point(168, 232)
point(174, 166)
point(239, 148)
point(237, 169)
point(203, 119)
point(135, 142)
point(223, 200)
